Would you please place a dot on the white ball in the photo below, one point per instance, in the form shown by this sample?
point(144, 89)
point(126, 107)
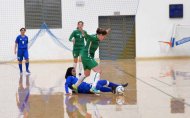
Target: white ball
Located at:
point(120, 90)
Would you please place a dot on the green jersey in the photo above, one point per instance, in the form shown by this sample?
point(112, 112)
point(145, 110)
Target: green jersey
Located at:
point(92, 45)
point(79, 39)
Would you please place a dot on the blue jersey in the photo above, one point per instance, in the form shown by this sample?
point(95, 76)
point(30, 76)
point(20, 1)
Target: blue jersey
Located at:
point(82, 88)
point(22, 42)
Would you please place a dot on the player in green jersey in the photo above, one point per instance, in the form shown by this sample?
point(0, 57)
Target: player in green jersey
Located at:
point(88, 60)
point(78, 44)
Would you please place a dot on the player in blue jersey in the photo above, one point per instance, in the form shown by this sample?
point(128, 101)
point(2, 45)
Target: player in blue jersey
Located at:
point(102, 85)
point(21, 49)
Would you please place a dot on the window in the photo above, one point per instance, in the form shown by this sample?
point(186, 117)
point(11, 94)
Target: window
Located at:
point(39, 11)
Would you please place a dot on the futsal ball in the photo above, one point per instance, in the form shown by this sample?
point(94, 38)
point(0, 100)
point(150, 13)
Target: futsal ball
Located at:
point(120, 90)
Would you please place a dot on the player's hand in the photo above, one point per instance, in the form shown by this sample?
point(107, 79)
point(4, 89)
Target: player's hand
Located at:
point(108, 30)
point(73, 41)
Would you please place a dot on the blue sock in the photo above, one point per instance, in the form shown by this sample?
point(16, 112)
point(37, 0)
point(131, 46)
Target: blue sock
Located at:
point(105, 89)
point(20, 67)
point(27, 66)
point(111, 84)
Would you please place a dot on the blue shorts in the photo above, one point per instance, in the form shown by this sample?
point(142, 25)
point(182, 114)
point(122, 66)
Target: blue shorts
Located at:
point(22, 53)
point(84, 87)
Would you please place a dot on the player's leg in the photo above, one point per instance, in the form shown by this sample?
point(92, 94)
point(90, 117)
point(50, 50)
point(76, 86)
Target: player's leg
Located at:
point(88, 64)
point(20, 58)
point(75, 56)
point(110, 86)
point(85, 61)
point(97, 70)
point(101, 86)
point(80, 66)
point(81, 78)
point(80, 63)
point(26, 57)
point(20, 66)
point(75, 63)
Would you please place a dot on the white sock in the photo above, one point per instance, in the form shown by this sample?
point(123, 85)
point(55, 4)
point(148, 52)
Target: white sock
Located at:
point(80, 67)
point(96, 79)
point(107, 84)
point(80, 79)
point(75, 65)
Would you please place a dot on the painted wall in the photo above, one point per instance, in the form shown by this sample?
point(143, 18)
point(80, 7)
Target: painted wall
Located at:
point(12, 19)
point(153, 24)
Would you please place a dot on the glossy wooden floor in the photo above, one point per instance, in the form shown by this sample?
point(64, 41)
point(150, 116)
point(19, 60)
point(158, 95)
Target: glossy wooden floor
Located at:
point(157, 89)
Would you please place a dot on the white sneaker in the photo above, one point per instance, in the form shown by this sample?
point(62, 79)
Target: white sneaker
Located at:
point(28, 72)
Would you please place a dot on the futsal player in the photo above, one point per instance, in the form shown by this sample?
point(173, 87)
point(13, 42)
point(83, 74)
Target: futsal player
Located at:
point(87, 57)
point(78, 44)
point(21, 49)
point(102, 85)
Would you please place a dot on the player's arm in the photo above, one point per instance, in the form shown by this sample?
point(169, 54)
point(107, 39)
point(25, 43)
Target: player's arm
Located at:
point(89, 37)
point(15, 48)
point(27, 41)
point(71, 36)
point(16, 44)
point(68, 81)
point(84, 32)
point(66, 88)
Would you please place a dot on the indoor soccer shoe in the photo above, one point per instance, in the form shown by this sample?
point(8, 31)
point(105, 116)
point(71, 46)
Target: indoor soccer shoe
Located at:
point(28, 72)
point(113, 90)
point(94, 90)
point(125, 85)
point(75, 88)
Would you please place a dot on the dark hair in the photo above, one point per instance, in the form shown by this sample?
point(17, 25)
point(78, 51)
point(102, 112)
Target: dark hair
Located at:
point(101, 31)
point(69, 72)
point(22, 29)
point(81, 22)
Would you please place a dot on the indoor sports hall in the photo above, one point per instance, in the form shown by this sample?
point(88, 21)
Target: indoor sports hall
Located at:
point(94, 58)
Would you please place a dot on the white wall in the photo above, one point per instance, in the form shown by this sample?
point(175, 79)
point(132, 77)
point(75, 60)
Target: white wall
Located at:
point(12, 19)
point(153, 25)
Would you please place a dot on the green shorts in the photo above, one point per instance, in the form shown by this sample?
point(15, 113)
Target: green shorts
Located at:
point(77, 53)
point(88, 63)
